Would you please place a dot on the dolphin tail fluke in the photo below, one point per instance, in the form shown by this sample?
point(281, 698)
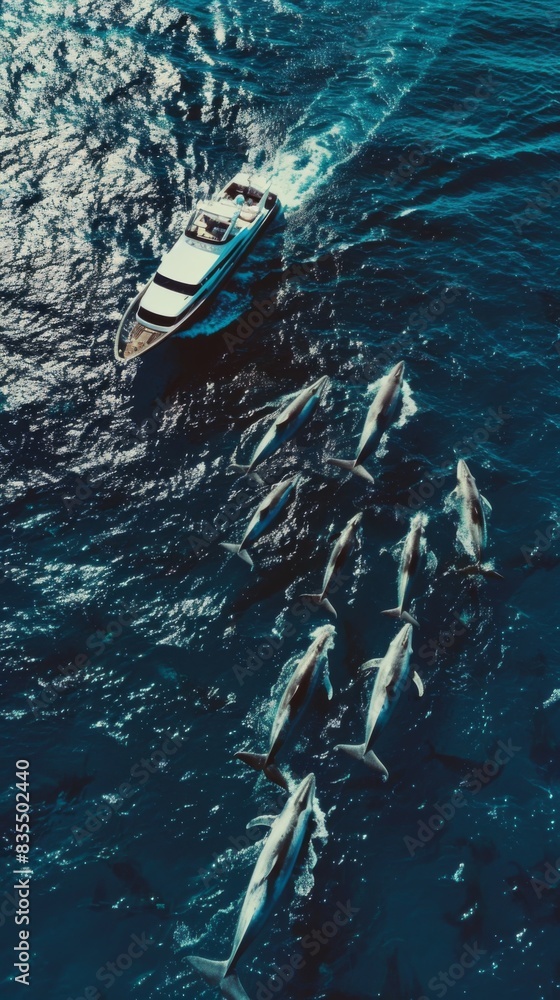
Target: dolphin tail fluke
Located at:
point(274, 774)
point(215, 974)
point(492, 574)
point(350, 466)
point(246, 470)
point(238, 551)
point(321, 601)
point(403, 615)
point(373, 762)
point(240, 468)
point(255, 760)
point(359, 470)
point(343, 463)
point(232, 988)
point(406, 617)
point(328, 607)
point(259, 761)
point(358, 752)
point(478, 570)
point(468, 570)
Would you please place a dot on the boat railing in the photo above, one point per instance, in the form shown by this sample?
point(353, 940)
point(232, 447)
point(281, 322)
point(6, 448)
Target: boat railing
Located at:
point(259, 209)
point(128, 311)
point(262, 202)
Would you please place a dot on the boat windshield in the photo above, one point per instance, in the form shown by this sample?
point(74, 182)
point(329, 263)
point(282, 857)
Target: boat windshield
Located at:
point(203, 226)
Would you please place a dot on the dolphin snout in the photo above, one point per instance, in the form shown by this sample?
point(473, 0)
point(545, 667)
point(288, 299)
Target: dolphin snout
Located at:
point(325, 632)
point(320, 384)
point(462, 469)
point(406, 635)
point(306, 789)
point(291, 480)
point(398, 370)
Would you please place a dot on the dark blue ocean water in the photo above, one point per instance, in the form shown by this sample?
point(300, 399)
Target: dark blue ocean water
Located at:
point(415, 149)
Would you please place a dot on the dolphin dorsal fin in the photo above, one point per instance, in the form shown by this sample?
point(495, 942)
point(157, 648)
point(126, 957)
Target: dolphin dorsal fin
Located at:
point(265, 506)
point(267, 502)
point(274, 867)
point(283, 420)
point(260, 821)
point(275, 495)
point(290, 411)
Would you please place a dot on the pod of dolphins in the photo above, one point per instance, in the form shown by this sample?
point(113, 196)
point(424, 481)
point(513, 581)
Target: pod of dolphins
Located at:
point(289, 829)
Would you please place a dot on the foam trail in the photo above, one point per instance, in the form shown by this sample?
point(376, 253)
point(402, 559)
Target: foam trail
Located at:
point(378, 81)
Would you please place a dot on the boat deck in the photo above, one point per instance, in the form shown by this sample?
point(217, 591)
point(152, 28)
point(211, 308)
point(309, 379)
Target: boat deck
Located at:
point(129, 345)
point(140, 338)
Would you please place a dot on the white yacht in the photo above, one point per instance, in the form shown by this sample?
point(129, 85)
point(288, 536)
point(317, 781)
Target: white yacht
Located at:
point(216, 236)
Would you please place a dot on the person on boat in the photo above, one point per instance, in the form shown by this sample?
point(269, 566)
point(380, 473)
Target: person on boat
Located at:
point(249, 210)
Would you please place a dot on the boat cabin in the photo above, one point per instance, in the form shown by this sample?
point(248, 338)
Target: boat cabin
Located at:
point(211, 222)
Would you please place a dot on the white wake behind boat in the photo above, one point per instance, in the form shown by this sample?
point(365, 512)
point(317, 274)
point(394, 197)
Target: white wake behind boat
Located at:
point(216, 236)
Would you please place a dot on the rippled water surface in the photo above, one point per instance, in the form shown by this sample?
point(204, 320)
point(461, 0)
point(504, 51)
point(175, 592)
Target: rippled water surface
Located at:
point(415, 151)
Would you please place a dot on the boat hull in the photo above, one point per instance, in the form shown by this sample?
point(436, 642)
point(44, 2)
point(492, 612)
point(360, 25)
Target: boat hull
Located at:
point(142, 338)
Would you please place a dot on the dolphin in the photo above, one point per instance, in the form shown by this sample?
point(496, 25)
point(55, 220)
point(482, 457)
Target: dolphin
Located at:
point(377, 421)
point(473, 508)
point(263, 518)
point(286, 425)
point(392, 673)
point(411, 557)
point(270, 876)
point(339, 554)
point(294, 702)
